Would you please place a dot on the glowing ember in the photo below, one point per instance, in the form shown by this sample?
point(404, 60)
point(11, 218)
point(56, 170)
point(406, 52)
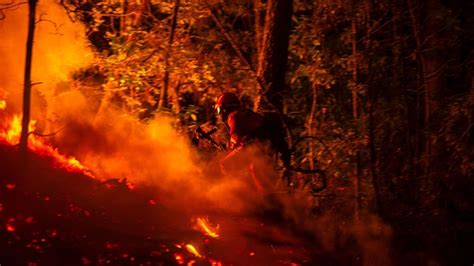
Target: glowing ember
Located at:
point(130, 185)
point(191, 249)
point(12, 136)
point(179, 258)
point(215, 262)
point(3, 104)
point(205, 227)
point(10, 228)
point(10, 186)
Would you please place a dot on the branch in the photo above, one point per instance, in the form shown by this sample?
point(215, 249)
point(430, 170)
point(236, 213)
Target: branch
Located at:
point(11, 5)
point(6, 6)
point(55, 25)
point(262, 86)
point(230, 40)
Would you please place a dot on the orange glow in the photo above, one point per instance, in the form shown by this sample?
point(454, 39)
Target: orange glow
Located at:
point(10, 228)
point(205, 227)
point(12, 136)
point(215, 262)
point(179, 258)
point(191, 249)
point(3, 104)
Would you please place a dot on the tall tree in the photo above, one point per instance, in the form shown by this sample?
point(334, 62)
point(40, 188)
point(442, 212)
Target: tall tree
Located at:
point(163, 102)
point(430, 78)
point(27, 76)
point(272, 51)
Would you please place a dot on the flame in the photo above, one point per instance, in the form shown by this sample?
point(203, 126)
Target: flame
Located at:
point(215, 262)
point(10, 228)
point(205, 227)
point(191, 249)
point(3, 104)
point(12, 136)
point(179, 258)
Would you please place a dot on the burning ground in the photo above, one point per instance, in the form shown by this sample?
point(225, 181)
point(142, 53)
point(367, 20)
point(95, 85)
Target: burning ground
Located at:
point(56, 212)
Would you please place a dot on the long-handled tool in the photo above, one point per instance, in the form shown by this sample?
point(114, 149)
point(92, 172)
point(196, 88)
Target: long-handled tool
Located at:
point(208, 136)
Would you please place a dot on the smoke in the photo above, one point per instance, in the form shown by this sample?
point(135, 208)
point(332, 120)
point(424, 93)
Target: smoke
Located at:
point(155, 154)
point(60, 46)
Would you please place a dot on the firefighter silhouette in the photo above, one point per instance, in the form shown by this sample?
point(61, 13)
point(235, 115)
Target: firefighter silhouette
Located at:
point(245, 126)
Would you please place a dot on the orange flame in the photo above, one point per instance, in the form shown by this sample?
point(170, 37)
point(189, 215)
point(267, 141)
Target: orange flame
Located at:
point(179, 258)
point(205, 227)
point(12, 136)
point(10, 228)
point(215, 262)
point(3, 104)
point(191, 249)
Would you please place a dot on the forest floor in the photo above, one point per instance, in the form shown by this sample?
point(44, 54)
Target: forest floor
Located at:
point(50, 216)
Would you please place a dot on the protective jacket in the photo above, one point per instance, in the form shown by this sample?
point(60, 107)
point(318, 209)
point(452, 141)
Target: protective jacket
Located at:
point(245, 126)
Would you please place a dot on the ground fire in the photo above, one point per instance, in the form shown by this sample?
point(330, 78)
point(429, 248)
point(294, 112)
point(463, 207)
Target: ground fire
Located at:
point(11, 136)
point(206, 228)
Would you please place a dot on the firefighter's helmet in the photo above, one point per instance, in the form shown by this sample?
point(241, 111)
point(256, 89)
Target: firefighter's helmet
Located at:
point(227, 102)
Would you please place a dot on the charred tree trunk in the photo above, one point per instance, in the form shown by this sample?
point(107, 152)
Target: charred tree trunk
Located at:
point(273, 53)
point(27, 77)
point(163, 103)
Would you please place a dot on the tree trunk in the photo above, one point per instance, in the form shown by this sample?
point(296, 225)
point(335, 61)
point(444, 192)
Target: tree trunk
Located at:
point(273, 53)
point(141, 12)
point(355, 116)
point(27, 77)
point(428, 41)
point(163, 103)
point(310, 124)
point(259, 23)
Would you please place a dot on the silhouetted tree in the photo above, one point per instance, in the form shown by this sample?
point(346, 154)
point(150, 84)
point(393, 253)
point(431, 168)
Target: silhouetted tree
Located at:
point(27, 76)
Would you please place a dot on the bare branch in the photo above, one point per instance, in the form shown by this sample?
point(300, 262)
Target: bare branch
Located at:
point(8, 6)
point(11, 5)
point(56, 26)
point(49, 134)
